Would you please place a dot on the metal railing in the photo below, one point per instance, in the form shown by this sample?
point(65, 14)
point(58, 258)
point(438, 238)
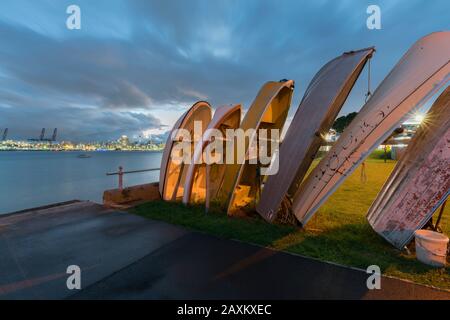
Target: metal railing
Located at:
point(120, 173)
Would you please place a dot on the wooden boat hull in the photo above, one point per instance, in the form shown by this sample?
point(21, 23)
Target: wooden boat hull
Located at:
point(172, 175)
point(419, 183)
point(203, 180)
point(268, 111)
point(319, 107)
point(416, 77)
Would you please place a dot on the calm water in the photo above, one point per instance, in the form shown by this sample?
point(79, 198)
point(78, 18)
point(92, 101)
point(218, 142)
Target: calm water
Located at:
point(32, 178)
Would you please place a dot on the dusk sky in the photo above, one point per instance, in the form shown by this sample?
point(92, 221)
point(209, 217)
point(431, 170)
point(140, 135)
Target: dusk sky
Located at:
point(135, 66)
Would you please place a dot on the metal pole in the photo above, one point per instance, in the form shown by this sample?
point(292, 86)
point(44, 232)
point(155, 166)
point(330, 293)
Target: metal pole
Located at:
point(120, 178)
point(132, 171)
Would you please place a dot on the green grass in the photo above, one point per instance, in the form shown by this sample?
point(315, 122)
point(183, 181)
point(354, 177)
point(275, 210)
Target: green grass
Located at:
point(339, 232)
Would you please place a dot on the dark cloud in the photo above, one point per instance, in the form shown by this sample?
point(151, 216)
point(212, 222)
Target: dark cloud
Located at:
point(133, 60)
point(84, 123)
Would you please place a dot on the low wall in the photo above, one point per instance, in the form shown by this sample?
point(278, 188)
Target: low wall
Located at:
point(131, 195)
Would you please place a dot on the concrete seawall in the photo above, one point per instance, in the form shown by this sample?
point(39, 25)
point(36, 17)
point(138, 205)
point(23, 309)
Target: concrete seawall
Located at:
point(126, 197)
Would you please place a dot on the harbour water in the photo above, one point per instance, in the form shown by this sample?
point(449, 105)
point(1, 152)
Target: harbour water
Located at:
point(33, 178)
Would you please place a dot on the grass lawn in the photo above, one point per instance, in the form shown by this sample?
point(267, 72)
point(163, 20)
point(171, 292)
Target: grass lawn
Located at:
point(339, 232)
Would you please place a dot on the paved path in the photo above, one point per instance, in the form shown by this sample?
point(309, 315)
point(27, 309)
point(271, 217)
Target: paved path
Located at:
point(123, 256)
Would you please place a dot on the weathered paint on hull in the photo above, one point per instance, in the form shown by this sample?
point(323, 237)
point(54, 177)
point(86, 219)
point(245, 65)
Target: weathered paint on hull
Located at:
point(172, 175)
point(319, 107)
point(268, 111)
point(202, 180)
point(416, 77)
point(420, 182)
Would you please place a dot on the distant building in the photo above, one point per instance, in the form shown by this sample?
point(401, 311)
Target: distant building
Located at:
point(399, 142)
point(396, 144)
point(124, 141)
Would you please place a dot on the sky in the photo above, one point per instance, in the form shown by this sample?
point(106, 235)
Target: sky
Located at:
point(135, 66)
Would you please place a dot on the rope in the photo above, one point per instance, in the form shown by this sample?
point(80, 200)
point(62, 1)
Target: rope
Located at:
point(363, 172)
point(368, 94)
point(363, 176)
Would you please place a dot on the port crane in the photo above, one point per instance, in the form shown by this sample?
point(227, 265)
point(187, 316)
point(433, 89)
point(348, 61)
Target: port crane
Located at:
point(5, 134)
point(42, 136)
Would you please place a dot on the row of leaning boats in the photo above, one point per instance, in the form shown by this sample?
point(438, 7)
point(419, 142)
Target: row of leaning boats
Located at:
point(418, 185)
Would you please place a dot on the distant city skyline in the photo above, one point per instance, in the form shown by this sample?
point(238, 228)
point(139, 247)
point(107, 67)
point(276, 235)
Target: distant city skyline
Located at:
point(50, 135)
point(135, 66)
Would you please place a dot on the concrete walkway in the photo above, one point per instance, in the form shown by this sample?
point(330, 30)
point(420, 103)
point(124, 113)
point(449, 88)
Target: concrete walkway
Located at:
point(123, 256)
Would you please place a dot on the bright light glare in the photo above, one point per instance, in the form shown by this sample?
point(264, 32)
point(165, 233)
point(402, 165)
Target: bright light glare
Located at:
point(419, 117)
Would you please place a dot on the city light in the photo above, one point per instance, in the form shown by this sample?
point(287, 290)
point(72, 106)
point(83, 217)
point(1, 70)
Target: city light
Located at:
point(122, 144)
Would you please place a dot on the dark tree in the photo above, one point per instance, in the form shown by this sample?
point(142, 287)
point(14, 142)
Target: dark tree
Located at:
point(342, 122)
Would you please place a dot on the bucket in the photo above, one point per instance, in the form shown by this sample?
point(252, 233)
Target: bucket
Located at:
point(431, 247)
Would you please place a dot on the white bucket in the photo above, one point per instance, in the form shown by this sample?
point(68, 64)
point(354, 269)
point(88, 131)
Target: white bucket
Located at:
point(431, 247)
